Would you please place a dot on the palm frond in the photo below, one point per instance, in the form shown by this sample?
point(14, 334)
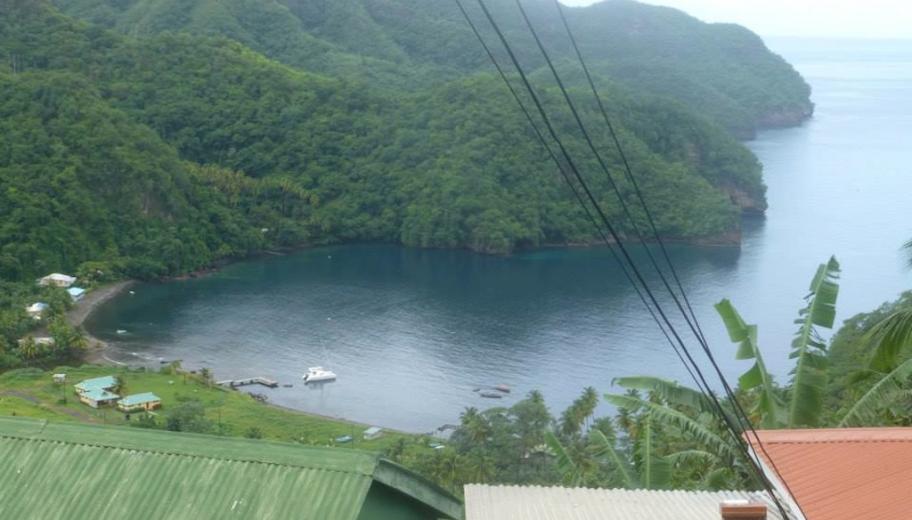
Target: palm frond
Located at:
point(568, 469)
point(888, 338)
point(670, 391)
point(769, 406)
point(691, 456)
point(655, 470)
point(698, 431)
point(882, 394)
point(809, 349)
point(602, 447)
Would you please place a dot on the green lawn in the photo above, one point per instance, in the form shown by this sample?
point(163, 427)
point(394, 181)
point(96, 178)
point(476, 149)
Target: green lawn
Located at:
point(32, 393)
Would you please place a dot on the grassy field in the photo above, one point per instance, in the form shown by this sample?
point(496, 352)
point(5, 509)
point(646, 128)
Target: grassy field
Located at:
point(32, 393)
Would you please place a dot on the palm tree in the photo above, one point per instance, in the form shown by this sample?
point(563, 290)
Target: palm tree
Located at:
point(476, 425)
point(28, 349)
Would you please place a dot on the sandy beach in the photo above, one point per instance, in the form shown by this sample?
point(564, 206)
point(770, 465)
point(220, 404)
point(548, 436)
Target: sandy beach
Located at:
point(85, 307)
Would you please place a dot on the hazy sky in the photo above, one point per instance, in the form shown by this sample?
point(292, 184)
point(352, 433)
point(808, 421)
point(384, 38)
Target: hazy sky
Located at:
point(836, 18)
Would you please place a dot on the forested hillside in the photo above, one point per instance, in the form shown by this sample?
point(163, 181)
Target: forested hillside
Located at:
point(154, 155)
point(724, 71)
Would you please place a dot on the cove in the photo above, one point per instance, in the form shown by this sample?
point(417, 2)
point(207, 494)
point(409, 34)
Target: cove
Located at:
point(411, 333)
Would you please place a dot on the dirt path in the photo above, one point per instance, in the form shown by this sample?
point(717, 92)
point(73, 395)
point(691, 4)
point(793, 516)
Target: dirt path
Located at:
point(34, 400)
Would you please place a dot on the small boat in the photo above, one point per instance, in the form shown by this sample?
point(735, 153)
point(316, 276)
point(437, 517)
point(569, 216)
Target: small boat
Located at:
point(502, 388)
point(343, 439)
point(491, 395)
point(315, 374)
point(121, 331)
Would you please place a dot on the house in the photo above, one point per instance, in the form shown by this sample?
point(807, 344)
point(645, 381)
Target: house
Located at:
point(97, 383)
point(98, 397)
point(59, 379)
point(72, 470)
point(372, 433)
point(840, 473)
point(36, 310)
point(57, 280)
point(483, 502)
point(139, 402)
point(76, 293)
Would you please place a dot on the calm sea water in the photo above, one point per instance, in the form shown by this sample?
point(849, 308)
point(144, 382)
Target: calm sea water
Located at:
point(412, 333)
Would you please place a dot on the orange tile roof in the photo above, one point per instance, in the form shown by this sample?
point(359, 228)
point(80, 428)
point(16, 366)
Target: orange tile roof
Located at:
point(844, 474)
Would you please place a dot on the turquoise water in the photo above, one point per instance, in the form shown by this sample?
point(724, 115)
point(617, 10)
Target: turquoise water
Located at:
point(412, 333)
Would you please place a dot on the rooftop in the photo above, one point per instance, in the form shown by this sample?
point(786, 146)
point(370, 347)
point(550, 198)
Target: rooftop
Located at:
point(108, 472)
point(102, 383)
point(135, 399)
point(484, 502)
point(842, 474)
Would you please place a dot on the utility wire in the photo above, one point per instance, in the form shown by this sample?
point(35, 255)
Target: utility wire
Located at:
point(573, 189)
point(605, 169)
point(694, 326)
point(629, 173)
point(612, 231)
point(632, 179)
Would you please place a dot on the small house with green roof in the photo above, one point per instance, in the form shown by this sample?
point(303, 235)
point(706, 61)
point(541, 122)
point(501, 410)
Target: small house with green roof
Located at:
point(97, 392)
point(98, 397)
point(97, 383)
point(70, 470)
point(139, 402)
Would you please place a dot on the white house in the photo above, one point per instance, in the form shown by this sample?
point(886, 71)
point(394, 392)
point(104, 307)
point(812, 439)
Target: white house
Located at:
point(36, 309)
point(57, 280)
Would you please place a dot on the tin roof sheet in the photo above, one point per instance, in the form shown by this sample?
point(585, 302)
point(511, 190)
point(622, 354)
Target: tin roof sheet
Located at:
point(135, 399)
point(843, 474)
point(66, 470)
point(96, 383)
point(559, 503)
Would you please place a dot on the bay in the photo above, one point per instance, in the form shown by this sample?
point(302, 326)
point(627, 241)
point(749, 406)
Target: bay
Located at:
point(412, 333)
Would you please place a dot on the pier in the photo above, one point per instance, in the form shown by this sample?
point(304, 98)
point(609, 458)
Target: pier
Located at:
point(234, 383)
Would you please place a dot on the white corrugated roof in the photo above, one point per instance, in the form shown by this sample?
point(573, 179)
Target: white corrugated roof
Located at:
point(557, 503)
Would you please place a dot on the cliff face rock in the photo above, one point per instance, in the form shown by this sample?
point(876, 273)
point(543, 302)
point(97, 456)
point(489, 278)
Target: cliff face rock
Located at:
point(786, 117)
point(749, 204)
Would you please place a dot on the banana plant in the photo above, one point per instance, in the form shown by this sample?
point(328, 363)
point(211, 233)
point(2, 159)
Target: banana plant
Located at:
point(804, 401)
point(805, 398)
point(769, 409)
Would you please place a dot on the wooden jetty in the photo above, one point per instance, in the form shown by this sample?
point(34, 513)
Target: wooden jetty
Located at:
point(234, 383)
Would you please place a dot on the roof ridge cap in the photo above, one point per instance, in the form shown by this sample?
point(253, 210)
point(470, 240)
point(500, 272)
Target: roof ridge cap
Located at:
point(179, 453)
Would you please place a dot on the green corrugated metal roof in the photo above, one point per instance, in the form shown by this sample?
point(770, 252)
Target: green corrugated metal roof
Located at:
point(65, 470)
point(136, 399)
point(97, 383)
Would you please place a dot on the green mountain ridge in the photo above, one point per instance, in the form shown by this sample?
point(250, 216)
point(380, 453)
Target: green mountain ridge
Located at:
point(723, 71)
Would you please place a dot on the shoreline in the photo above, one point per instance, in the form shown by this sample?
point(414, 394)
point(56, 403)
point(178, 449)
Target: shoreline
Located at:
point(84, 309)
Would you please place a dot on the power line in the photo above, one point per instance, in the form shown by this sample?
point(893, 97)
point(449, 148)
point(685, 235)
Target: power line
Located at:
point(573, 189)
point(631, 178)
point(629, 173)
point(597, 206)
point(620, 244)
